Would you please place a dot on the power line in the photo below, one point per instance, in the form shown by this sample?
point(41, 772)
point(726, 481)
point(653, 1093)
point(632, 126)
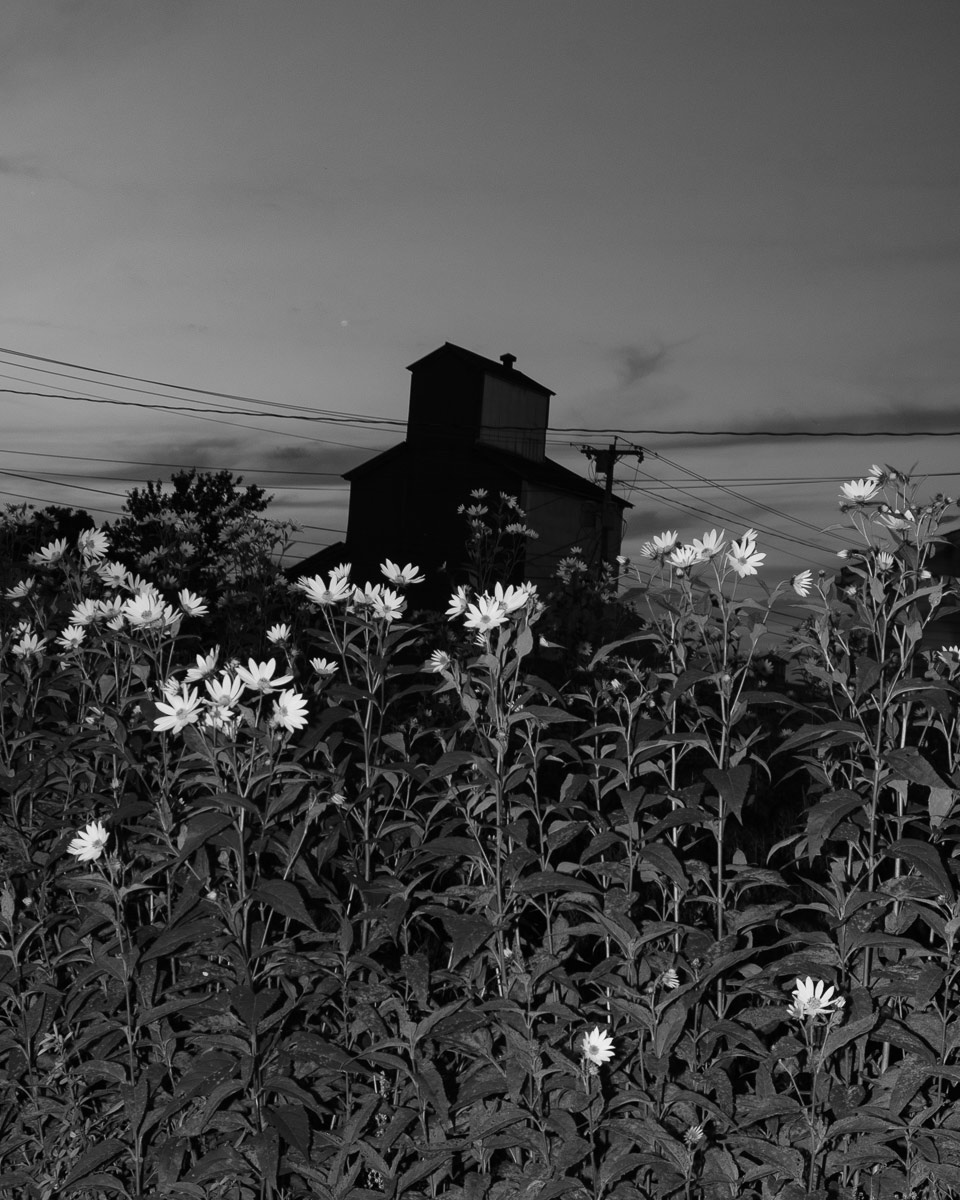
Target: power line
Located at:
point(238, 398)
point(767, 433)
point(737, 495)
point(134, 462)
point(276, 487)
point(41, 500)
point(341, 416)
point(725, 512)
point(75, 486)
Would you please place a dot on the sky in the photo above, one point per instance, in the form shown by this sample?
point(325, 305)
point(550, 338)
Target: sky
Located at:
point(685, 218)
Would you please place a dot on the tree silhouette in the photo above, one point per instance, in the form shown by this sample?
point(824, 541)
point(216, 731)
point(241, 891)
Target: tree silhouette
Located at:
point(203, 530)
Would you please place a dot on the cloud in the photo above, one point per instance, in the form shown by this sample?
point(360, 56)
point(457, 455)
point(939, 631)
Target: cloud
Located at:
point(22, 166)
point(908, 421)
point(637, 362)
point(300, 464)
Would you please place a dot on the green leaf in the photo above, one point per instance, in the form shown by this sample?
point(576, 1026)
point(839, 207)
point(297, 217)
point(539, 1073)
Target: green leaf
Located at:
point(219, 1164)
point(100, 1179)
point(908, 763)
point(772, 1158)
point(926, 860)
point(830, 733)
point(661, 860)
point(266, 1146)
point(292, 1124)
point(252, 1006)
point(134, 1103)
point(94, 1156)
point(940, 804)
point(468, 932)
point(205, 1071)
point(552, 881)
point(431, 1085)
point(451, 762)
point(285, 898)
point(684, 683)
point(177, 936)
point(911, 1075)
point(826, 815)
point(543, 714)
point(751, 1109)
point(867, 672)
point(669, 1027)
point(732, 785)
point(841, 1034)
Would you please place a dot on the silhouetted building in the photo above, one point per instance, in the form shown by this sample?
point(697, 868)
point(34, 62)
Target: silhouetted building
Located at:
point(472, 423)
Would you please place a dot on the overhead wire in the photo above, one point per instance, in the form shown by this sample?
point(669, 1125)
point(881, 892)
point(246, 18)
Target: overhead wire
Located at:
point(123, 496)
point(665, 488)
point(134, 462)
point(343, 416)
point(701, 510)
point(737, 495)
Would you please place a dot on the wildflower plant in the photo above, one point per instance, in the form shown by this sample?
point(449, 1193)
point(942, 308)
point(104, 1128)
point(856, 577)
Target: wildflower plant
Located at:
point(496, 538)
point(366, 910)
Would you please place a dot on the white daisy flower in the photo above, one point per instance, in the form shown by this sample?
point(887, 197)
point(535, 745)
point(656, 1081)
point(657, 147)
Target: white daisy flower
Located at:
point(458, 603)
point(50, 554)
point(206, 665)
point(289, 711)
point(485, 615)
point(259, 676)
point(180, 710)
point(400, 576)
point(438, 661)
point(802, 582)
point(859, 491)
point(710, 545)
point(596, 1047)
point(813, 999)
point(192, 605)
point(89, 843)
point(71, 637)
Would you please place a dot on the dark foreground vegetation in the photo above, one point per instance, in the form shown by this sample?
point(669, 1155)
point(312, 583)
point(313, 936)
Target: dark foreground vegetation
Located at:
point(377, 911)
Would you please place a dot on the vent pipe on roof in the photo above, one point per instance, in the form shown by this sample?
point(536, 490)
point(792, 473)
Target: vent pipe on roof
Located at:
point(508, 360)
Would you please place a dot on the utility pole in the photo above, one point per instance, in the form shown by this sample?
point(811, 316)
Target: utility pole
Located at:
point(606, 462)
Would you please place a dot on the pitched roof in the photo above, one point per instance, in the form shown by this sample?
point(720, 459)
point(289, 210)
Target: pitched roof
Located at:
point(545, 472)
point(488, 366)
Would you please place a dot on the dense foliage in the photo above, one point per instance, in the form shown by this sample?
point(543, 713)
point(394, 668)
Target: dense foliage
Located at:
point(376, 917)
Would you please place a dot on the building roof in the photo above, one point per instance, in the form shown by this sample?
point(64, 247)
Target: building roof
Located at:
point(545, 471)
point(500, 370)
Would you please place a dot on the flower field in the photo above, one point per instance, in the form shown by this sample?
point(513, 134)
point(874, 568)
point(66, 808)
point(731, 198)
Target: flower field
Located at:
point(367, 902)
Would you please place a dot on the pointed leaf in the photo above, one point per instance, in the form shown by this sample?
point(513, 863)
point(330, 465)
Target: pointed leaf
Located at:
point(552, 881)
point(94, 1156)
point(926, 860)
point(847, 1032)
point(732, 785)
point(661, 860)
point(285, 898)
point(469, 932)
point(908, 763)
point(826, 815)
point(940, 804)
point(292, 1124)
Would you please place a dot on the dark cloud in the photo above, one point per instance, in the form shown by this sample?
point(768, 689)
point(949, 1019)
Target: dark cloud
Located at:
point(22, 166)
point(638, 362)
point(305, 463)
point(911, 421)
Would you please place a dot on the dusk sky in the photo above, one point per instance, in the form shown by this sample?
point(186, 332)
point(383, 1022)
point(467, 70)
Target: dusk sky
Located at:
point(678, 215)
